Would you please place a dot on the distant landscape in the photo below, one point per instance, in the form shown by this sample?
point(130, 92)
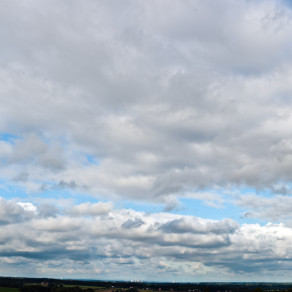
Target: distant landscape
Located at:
point(11, 284)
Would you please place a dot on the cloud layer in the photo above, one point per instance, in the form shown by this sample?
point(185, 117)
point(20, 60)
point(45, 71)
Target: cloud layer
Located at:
point(159, 246)
point(106, 103)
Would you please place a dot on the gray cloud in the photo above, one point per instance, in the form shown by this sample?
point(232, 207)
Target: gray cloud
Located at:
point(183, 225)
point(133, 223)
point(48, 210)
point(66, 185)
point(276, 208)
point(32, 150)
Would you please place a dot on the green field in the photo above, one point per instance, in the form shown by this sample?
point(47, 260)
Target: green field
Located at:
point(82, 287)
point(7, 289)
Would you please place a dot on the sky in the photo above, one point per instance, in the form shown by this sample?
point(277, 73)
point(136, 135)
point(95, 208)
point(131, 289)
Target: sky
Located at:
point(146, 140)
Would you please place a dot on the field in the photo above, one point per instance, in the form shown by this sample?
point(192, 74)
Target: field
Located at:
point(82, 287)
point(7, 289)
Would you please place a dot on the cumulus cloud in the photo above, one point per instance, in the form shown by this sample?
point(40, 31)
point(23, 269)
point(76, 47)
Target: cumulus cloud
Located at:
point(11, 212)
point(163, 243)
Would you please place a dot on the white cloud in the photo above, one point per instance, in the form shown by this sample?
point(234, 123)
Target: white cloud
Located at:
point(27, 206)
point(84, 209)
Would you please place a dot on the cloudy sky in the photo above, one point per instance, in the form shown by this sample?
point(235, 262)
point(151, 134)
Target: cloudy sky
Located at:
point(146, 140)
